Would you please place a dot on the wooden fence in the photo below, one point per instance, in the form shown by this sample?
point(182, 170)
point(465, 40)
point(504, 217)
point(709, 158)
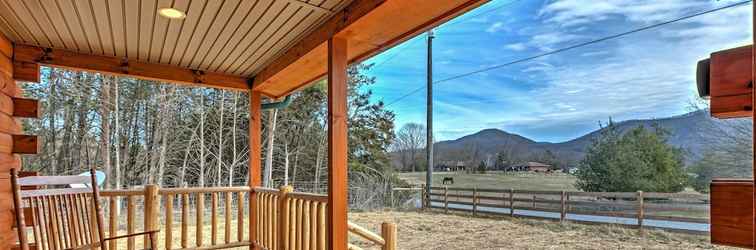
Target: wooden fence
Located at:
point(673, 207)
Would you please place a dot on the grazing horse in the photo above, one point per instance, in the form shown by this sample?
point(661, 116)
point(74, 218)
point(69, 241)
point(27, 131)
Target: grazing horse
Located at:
point(450, 180)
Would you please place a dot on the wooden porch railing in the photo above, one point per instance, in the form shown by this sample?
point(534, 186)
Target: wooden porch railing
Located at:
point(286, 219)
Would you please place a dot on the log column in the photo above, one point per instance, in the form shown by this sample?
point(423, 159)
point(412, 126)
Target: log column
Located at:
point(753, 74)
point(337, 143)
point(255, 125)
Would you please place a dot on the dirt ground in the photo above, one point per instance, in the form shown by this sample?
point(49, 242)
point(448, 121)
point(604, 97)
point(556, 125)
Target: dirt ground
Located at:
point(421, 230)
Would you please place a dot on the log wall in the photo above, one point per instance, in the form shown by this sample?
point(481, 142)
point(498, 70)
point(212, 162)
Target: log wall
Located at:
point(12, 140)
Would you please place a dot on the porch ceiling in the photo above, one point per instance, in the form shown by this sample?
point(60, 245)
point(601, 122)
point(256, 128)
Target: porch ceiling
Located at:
point(235, 37)
point(281, 44)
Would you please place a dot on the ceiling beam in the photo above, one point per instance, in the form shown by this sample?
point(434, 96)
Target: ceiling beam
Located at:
point(123, 66)
point(336, 23)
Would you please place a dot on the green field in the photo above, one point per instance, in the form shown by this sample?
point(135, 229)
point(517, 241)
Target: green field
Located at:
point(521, 180)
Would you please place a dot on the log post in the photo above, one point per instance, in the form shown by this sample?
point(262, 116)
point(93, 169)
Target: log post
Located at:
point(640, 210)
point(423, 197)
point(388, 232)
point(283, 217)
point(337, 144)
point(255, 126)
point(150, 214)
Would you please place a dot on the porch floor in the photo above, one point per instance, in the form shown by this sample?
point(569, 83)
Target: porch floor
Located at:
point(461, 231)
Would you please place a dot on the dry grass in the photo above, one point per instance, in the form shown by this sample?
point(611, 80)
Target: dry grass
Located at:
point(460, 231)
point(521, 180)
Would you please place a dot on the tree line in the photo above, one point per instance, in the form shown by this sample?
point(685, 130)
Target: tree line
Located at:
point(145, 132)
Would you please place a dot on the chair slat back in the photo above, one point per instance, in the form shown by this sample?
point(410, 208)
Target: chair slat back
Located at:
point(63, 218)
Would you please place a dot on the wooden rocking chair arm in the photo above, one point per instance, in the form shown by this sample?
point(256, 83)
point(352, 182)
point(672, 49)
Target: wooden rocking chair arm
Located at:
point(97, 244)
point(131, 235)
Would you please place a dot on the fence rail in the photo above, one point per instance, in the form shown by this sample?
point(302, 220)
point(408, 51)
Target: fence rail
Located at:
point(639, 207)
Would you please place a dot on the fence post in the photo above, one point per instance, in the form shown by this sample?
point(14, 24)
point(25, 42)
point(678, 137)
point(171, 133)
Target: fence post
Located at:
point(283, 217)
point(640, 210)
point(563, 211)
point(150, 214)
point(423, 197)
point(511, 202)
point(475, 201)
point(446, 199)
point(388, 232)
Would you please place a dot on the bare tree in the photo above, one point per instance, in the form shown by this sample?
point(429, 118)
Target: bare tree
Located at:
point(410, 140)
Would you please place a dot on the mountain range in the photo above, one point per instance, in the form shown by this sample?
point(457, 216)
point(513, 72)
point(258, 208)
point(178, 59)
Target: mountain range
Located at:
point(689, 132)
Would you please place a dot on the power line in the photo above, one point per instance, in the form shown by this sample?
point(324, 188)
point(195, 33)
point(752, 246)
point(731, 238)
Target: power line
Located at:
point(644, 28)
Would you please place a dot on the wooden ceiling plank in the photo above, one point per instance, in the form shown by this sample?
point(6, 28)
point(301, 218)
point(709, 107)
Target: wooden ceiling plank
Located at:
point(160, 32)
point(102, 21)
point(89, 25)
point(208, 16)
point(310, 6)
point(8, 30)
point(284, 43)
point(288, 30)
point(173, 32)
point(281, 15)
point(118, 66)
point(339, 21)
point(220, 23)
point(25, 18)
point(248, 27)
point(233, 28)
point(117, 26)
point(72, 20)
point(131, 31)
point(147, 20)
point(187, 30)
point(43, 22)
point(23, 33)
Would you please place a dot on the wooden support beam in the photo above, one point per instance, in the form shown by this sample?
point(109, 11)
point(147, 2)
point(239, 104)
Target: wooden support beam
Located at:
point(255, 161)
point(25, 107)
point(25, 144)
point(121, 66)
point(338, 22)
point(753, 129)
point(26, 71)
point(337, 144)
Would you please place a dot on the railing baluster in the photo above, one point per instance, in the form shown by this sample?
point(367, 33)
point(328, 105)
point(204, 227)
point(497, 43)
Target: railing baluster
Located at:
point(130, 206)
point(168, 222)
point(200, 218)
point(322, 244)
point(305, 225)
point(313, 224)
point(113, 221)
point(214, 218)
point(240, 216)
point(298, 224)
point(184, 220)
point(227, 214)
point(291, 224)
point(283, 226)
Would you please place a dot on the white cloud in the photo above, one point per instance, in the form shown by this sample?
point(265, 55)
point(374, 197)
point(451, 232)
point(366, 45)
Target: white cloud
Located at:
point(516, 46)
point(569, 13)
point(495, 27)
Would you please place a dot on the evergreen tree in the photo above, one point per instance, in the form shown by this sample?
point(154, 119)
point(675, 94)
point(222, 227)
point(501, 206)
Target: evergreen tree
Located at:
point(639, 159)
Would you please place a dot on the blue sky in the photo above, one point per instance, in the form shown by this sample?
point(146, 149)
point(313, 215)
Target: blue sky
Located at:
point(650, 74)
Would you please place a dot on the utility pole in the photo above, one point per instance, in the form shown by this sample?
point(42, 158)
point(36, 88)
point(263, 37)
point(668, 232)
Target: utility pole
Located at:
point(429, 122)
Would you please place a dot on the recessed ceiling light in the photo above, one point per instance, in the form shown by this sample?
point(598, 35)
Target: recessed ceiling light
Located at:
point(171, 13)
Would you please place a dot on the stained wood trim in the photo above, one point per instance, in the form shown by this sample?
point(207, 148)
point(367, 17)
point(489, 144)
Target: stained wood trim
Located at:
point(122, 66)
point(25, 144)
point(25, 107)
point(338, 22)
point(337, 144)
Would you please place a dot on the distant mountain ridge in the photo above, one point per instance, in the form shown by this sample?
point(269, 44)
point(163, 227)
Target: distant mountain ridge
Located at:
point(686, 131)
